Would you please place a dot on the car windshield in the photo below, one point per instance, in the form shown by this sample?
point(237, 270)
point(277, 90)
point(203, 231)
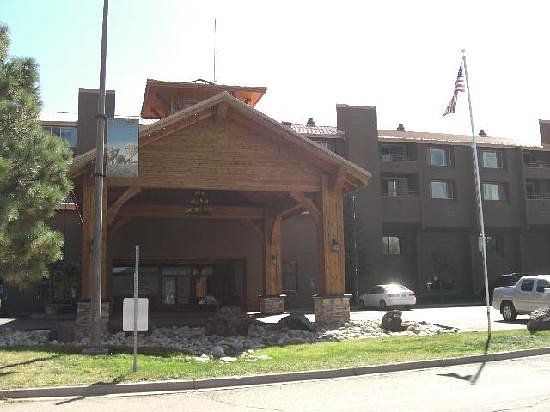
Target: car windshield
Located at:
point(395, 288)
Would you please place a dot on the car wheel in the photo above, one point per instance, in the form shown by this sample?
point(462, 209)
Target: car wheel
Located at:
point(383, 305)
point(508, 311)
point(362, 305)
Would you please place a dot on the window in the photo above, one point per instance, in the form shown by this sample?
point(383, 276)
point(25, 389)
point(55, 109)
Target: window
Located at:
point(493, 191)
point(441, 189)
point(438, 157)
point(394, 152)
point(290, 276)
point(542, 284)
point(67, 133)
point(395, 186)
point(391, 245)
point(491, 159)
point(527, 285)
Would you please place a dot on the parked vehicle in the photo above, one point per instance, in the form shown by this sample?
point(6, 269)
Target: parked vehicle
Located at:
point(529, 293)
point(387, 296)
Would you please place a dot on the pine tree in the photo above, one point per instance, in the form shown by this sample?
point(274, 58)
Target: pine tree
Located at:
point(34, 170)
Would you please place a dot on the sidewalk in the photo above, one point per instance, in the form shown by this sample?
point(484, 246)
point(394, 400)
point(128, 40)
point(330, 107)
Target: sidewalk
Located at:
point(173, 386)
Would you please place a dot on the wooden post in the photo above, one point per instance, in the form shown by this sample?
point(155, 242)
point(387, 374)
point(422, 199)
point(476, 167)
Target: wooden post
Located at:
point(332, 239)
point(273, 262)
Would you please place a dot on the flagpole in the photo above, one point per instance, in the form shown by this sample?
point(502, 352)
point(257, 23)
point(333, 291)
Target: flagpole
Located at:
point(478, 199)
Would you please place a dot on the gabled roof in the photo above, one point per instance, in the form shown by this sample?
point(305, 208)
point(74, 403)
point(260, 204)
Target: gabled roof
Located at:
point(426, 137)
point(355, 176)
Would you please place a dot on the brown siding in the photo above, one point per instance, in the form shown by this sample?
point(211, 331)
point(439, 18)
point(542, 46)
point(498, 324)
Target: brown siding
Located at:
point(227, 155)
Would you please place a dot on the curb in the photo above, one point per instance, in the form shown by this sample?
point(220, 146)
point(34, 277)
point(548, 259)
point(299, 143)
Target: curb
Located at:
point(102, 389)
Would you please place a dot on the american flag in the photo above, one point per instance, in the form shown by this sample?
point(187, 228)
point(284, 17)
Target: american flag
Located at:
point(459, 87)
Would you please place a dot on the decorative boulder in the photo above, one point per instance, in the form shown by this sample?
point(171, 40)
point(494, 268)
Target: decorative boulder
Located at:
point(539, 320)
point(391, 321)
point(295, 321)
point(229, 321)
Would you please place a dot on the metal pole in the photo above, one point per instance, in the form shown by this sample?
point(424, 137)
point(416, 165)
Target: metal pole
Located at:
point(478, 200)
point(215, 24)
point(95, 341)
point(136, 272)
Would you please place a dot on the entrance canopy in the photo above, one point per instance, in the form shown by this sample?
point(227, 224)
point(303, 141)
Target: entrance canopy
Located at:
point(249, 167)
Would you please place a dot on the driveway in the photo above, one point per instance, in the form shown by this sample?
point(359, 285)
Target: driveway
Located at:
point(465, 318)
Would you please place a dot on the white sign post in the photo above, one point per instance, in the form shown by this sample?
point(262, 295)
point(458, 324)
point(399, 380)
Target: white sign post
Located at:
point(135, 312)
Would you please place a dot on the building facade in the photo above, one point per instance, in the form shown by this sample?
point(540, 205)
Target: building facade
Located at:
point(416, 222)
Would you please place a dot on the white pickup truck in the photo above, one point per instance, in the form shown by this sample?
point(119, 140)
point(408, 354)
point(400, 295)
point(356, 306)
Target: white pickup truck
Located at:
point(529, 293)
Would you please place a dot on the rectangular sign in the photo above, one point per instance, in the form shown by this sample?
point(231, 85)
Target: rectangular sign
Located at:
point(122, 147)
point(128, 315)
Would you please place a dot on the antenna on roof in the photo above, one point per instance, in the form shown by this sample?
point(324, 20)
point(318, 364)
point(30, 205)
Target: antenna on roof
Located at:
point(214, 50)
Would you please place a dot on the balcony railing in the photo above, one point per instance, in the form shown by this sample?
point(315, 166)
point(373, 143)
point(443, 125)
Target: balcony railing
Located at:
point(400, 193)
point(397, 158)
point(537, 163)
point(538, 196)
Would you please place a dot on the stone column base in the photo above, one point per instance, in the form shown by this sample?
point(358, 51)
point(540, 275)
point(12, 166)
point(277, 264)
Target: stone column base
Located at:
point(272, 304)
point(84, 316)
point(331, 309)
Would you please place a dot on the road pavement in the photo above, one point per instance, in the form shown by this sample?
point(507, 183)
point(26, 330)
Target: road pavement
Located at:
point(514, 385)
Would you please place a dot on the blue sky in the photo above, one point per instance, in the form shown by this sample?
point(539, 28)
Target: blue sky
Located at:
point(400, 56)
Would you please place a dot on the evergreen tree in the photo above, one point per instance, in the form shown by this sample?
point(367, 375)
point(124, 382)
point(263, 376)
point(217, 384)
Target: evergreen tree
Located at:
point(34, 170)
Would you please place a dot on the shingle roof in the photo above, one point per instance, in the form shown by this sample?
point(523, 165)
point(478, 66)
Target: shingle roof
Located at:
point(317, 131)
point(396, 135)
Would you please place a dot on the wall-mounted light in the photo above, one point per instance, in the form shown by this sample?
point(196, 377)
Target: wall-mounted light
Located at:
point(335, 245)
point(273, 259)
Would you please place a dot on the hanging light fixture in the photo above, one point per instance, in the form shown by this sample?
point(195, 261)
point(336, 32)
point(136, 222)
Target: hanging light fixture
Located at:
point(199, 205)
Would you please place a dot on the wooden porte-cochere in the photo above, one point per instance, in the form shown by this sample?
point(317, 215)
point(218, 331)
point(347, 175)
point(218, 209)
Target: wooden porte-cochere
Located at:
point(247, 171)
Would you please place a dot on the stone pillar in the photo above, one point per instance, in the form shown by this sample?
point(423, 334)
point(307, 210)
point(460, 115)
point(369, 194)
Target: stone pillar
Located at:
point(83, 315)
point(272, 304)
point(331, 309)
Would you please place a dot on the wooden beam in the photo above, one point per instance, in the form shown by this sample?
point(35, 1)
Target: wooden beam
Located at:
point(338, 180)
point(218, 212)
point(182, 183)
point(308, 204)
point(121, 200)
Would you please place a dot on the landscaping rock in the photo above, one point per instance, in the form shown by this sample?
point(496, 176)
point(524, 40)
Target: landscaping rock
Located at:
point(218, 351)
point(229, 321)
point(295, 321)
point(391, 321)
point(539, 320)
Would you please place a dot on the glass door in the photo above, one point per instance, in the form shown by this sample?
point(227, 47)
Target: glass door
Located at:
point(169, 290)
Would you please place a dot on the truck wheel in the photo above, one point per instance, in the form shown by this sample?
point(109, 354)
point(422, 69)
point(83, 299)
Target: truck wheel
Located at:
point(508, 311)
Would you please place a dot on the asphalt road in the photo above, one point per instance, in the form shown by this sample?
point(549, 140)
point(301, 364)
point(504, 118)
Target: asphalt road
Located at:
point(466, 318)
point(515, 385)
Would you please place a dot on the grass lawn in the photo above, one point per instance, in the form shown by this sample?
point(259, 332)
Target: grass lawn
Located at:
point(54, 366)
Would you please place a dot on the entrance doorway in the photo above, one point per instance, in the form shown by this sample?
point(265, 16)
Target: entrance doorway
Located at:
point(179, 286)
